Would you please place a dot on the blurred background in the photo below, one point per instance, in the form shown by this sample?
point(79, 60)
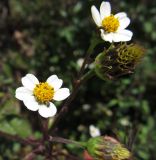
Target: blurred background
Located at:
point(51, 37)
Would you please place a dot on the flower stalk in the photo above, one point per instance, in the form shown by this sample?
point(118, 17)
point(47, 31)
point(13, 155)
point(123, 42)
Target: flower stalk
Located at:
point(67, 141)
point(87, 76)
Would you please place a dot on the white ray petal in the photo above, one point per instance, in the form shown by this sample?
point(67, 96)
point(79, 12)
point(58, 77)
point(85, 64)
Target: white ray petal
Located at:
point(122, 36)
point(47, 111)
point(121, 15)
point(124, 22)
point(61, 94)
point(54, 82)
point(105, 9)
point(29, 81)
point(106, 36)
point(31, 103)
point(52, 78)
point(22, 93)
point(96, 16)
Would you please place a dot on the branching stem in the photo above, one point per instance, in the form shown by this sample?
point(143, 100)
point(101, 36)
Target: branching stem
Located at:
point(80, 80)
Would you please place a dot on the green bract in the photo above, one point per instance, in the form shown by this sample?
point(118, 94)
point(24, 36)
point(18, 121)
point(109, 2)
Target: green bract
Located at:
point(107, 148)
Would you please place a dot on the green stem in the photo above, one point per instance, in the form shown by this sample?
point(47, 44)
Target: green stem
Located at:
point(94, 42)
point(111, 47)
point(67, 141)
point(87, 76)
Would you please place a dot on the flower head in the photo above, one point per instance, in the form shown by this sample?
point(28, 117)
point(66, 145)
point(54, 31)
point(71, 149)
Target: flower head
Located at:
point(112, 27)
point(94, 131)
point(105, 147)
point(118, 61)
point(40, 95)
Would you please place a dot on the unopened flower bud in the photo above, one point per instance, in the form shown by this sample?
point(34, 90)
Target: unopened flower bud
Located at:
point(107, 148)
point(118, 61)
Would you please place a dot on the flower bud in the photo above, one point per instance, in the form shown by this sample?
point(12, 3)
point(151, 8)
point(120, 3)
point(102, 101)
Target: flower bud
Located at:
point(118, 61)
point(107, 148)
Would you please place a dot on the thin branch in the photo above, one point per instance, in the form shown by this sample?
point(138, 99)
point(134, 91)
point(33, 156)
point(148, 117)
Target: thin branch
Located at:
point(66, 141)
point(85, 62)
point(65, 107)
point(35, 152)
point(44, 128)
point(78, 82)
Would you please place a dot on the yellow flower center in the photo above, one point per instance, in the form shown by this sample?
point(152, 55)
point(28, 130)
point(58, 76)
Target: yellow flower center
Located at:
point(110, 24)
point(43, 92)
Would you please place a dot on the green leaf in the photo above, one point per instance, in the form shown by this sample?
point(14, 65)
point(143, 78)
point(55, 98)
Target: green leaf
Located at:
point(16, 126)
point(7, 128)
point(11, 107)
point(21, 126)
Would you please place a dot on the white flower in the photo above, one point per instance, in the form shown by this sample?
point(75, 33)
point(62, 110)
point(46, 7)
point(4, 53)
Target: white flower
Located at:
point(112, 27)
point(94, 131)
point(39, 95)
point(80, 62)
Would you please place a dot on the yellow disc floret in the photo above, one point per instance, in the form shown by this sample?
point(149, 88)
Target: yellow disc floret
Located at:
point(110, 24)
point(43, 92)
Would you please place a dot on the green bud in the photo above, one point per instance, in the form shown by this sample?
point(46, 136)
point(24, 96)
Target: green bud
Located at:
point(118, 61)
point(107, 148)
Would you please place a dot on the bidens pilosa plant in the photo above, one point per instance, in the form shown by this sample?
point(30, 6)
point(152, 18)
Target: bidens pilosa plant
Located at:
point(118, 59)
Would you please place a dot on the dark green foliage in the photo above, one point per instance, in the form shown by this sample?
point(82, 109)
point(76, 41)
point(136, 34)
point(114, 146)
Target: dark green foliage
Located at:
point(47, 37)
